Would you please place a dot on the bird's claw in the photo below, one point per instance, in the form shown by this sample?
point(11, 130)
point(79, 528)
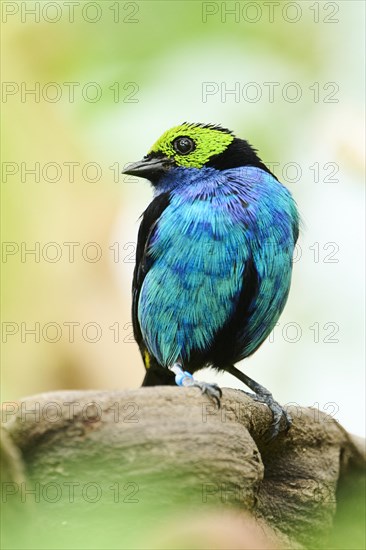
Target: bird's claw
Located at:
point(213, 391)
point(278, 413)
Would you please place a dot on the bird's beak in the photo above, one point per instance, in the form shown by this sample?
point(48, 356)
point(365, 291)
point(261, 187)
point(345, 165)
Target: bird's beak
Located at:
point(149, 167)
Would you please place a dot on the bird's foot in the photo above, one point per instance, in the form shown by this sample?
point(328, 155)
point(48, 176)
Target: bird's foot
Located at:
point(261, 394)
point(213, 391)
point(184, 378)
point(277, 412)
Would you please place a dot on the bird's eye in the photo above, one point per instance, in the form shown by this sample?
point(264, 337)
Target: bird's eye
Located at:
point(184, 145)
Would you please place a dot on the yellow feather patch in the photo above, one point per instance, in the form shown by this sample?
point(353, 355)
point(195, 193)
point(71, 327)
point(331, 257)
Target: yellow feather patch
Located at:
point(147, 359)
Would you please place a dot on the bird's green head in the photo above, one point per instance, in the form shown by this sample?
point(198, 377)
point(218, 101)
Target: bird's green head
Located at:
point(192, 145)
point(195, 146)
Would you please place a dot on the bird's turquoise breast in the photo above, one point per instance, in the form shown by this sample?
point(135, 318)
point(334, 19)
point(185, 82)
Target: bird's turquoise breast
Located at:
point(197, 256)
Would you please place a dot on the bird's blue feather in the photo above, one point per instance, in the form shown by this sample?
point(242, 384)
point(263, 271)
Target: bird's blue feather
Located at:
point(216, 222)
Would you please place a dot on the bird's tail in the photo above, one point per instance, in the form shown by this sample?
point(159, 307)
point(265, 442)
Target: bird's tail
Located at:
point(156, 375)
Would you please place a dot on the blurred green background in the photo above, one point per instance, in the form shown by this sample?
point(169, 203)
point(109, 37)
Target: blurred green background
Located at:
point(108, 79)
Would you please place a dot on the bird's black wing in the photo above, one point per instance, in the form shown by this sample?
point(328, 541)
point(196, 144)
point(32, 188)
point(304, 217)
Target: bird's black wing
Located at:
point(149, 221)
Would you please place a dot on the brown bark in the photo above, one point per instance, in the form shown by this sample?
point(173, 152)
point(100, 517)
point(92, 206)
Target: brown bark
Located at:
point(169, 453)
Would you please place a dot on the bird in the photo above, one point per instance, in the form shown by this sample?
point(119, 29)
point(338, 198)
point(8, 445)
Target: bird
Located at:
point(213, 259)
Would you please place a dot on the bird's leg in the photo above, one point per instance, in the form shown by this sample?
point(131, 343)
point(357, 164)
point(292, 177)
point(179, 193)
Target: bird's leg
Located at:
point(184, 378)
point(262, 395)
